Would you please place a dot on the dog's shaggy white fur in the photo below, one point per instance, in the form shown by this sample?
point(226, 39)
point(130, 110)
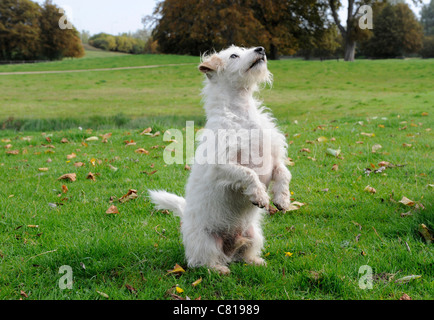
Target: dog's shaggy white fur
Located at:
point(221, 213)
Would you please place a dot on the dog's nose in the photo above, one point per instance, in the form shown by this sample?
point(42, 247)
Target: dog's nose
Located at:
point(260, 50)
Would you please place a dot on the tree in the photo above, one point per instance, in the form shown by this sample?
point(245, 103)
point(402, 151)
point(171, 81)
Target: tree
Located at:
point(193, 27)
point(352, 33)
point(56, 42)
point(397, 32)
point(427, 18)
point(19, 30)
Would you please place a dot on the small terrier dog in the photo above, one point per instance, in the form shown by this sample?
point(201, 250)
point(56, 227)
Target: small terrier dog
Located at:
point(222, 210)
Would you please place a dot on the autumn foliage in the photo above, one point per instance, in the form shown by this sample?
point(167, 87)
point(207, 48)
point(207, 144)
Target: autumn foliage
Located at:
point(29, 31)
point(193, 27)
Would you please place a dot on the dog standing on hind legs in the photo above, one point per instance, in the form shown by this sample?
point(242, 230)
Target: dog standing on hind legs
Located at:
point(223, 206)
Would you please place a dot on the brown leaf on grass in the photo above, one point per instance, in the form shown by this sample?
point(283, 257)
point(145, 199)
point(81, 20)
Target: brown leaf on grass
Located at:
point(368, 134)
point(131, 194)
point(131, 289)
point(8, 146)
point(187, 167)
point(156, 134)
point(405, 297)
point(71, 156)
point(370, 189)
point(23, 294)
point(305, 150)
point(43, 169)
point(177, 269)
point(91, 176)
point(426, 233)
point(406, 145)
point(335, 167)
point(15, 152)
point(68, 176)
point(64, 189)
point(359, 142)
point(149, 173)
point(112, 210)
point(424, 114)
point(406, 201)
point(383, 164)
point(142, 151)
point(79, 164)
point(64, 140)
point(194, 284)
point(295, 205)
point(146, 131)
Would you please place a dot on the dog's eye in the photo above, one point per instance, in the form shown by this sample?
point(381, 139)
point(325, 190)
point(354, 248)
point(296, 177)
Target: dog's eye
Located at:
point(234, 56)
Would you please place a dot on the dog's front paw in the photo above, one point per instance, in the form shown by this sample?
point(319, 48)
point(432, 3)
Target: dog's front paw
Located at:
point(260, 198)
point(282, 202)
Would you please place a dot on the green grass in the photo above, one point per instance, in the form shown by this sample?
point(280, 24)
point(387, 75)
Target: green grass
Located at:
point(138, 245)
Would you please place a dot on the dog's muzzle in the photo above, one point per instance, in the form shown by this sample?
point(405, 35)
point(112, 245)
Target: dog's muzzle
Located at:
point(260, 51)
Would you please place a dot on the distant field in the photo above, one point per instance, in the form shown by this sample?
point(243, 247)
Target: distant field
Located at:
point(373, 111)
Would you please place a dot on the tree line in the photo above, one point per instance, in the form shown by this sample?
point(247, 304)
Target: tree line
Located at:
point(287, 27)
point(29, 31)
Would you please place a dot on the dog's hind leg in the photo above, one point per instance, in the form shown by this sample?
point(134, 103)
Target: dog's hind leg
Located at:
point(252, 252)
point(282, 178)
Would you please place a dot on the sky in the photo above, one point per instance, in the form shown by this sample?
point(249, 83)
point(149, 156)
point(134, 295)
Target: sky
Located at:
point(119, 16)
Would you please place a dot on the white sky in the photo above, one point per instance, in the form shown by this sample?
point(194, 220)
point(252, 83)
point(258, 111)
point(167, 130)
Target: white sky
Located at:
point(118, 16)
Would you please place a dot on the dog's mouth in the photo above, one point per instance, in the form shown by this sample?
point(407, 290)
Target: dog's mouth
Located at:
point(257, 62)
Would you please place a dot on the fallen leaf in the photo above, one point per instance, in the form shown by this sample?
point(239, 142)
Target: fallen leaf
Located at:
point(359, 142)
point(335, 167)
point(408, 278)
point(92, 139)
point(15, 152)
point(64, 140)
point(91, 176)
point(295, 205)
point(177, 269)
point(68, 176)
point(405, 297)
point(71, 156)
point(187, 167)
point(8, 146)
point(105, 295)
point(368, 134)
point(131, 194)
point(131, 289)
point(179, 290)
point(149, 173)
point(156, 134)
point(322, 139)
point(406, 201)
point(305, 150)
point(375, 147)
point(424, 114)
point(142, 151)
point(370, 189)
point(23, 294)
point(383, 164)
point(406, 145)
point(194, 284)
point(43, 169)
point(426, 233)
point(333, 152)
point(79, 164)
point(146, 131)
point(112, 210)
point(64, 189)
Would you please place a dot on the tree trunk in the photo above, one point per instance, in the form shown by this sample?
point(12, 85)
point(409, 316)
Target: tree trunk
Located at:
point(273, 54)
point(350, 49)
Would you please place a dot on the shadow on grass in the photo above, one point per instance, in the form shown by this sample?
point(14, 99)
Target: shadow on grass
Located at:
point(120, 121)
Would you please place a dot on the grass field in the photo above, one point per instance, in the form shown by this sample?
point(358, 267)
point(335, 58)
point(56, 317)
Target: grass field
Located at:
point(312, 253)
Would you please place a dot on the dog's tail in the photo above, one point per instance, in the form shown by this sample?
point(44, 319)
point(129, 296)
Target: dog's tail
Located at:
point(168, 201)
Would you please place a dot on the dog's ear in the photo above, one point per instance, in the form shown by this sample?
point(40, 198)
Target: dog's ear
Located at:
point(211, 64)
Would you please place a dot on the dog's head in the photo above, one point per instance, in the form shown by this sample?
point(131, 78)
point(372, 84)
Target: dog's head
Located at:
point(240, 68)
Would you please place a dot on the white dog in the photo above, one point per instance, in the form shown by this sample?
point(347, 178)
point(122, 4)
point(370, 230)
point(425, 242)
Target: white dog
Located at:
point(221, 213)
